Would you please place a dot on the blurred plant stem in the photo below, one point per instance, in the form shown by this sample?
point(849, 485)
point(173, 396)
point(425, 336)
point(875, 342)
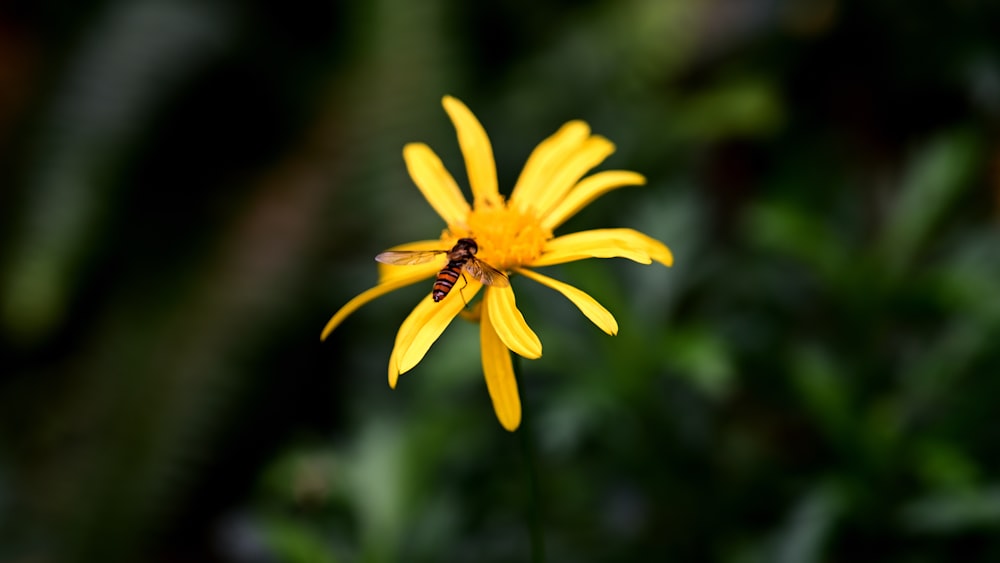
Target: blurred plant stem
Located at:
point(527, 443)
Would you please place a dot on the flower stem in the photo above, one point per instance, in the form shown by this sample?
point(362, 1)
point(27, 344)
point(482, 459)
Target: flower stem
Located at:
point(534, 510)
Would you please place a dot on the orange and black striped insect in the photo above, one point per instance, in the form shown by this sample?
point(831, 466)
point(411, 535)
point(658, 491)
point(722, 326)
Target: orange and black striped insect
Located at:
point(461, 259)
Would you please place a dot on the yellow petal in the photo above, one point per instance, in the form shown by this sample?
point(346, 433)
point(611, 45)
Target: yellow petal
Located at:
point(605, 243)
point(379, 290)
point(435, 182)
point(393, 369)
point(426, 323)
point(589, 189)
point(387, 272)
point(509, 323)
point(582, 249)
point(587, 304)
point(499, 372)
point(545, 161)
point(476, 150)
point(592, 152)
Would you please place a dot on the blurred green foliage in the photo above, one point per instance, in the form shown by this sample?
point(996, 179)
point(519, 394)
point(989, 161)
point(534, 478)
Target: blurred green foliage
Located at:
point(189, 190)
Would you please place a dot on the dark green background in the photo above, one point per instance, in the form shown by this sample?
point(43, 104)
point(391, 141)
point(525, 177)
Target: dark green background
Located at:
point(188, 190)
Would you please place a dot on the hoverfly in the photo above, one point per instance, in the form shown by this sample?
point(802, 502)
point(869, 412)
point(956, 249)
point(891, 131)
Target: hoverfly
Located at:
point(461, 257)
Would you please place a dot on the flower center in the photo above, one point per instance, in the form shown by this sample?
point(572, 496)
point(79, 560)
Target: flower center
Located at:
point(506, 237)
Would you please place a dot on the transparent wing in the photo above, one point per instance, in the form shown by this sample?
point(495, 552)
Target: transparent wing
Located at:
point(408, 257)
point(486, 274)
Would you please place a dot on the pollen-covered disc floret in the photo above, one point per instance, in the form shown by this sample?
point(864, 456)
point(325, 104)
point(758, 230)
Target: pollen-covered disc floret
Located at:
point(507, 238)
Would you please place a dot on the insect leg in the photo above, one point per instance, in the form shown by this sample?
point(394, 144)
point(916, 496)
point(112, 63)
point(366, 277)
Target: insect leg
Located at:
point(465, 282)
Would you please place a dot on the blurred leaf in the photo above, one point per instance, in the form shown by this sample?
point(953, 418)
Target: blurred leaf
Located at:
point(805, 533)
point(130, 61)
point(740, 107)
point(789, 230)
point(953, 511)
point(293, 541)
point(673, 213)
point(882, 426)
point(378, 486)
point(824, 388)
point(702, 357)
point(968, 280)
point(932, 372)
point(944, 467)
point(934, 178)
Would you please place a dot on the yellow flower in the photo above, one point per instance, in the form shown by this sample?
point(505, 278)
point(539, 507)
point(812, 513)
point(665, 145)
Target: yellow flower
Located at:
point(512, 236)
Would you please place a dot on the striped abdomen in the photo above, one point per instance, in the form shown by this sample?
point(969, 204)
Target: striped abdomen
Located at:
point(446, 279)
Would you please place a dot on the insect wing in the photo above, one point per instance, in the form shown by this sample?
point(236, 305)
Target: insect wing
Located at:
point(408, 257)
point(486, 274)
